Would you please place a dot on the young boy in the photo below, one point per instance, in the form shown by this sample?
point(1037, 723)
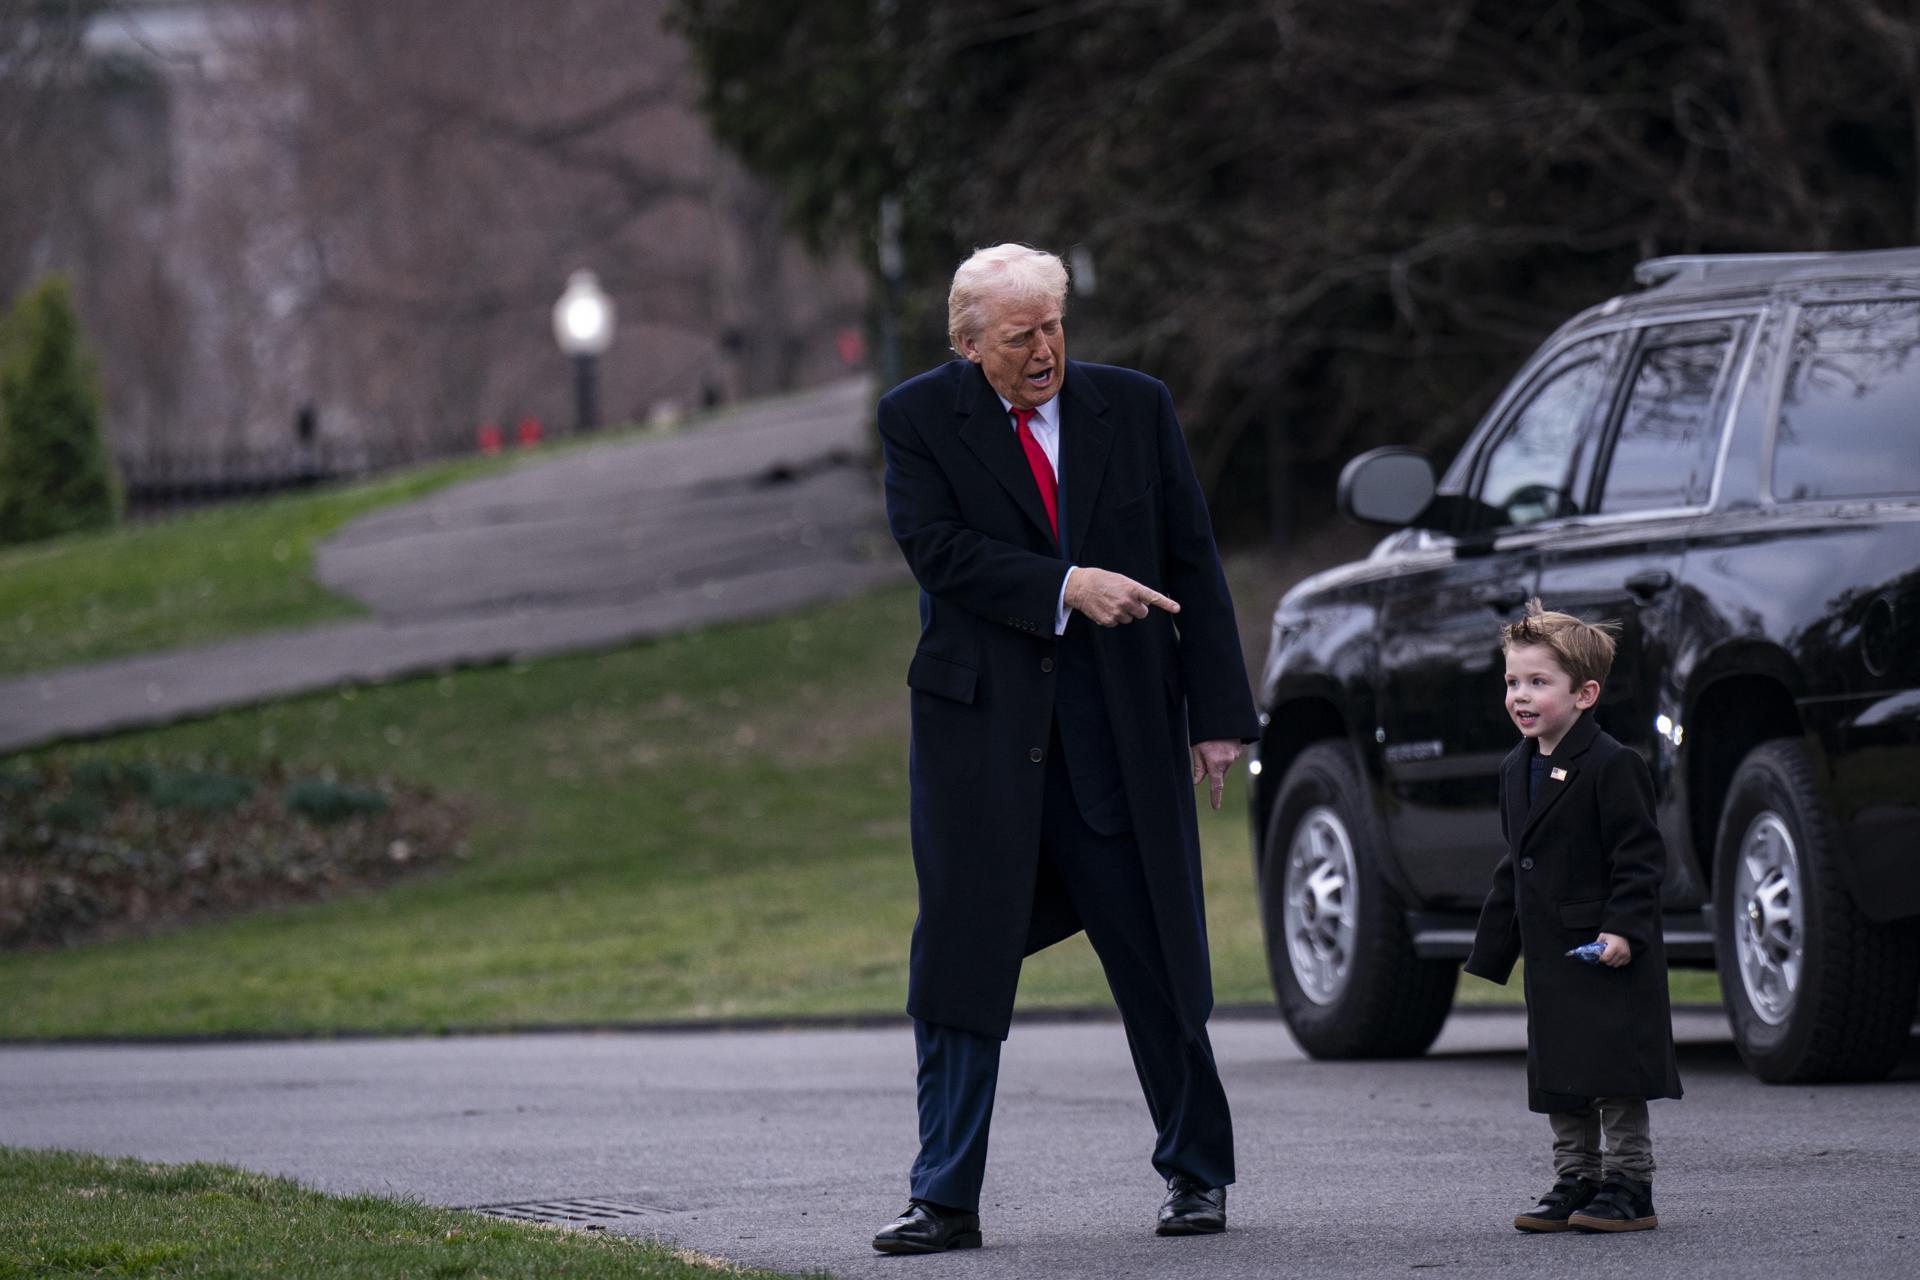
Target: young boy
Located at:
point(1584, 864)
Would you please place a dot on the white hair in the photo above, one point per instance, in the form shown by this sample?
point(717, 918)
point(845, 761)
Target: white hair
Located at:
point(1017, 272)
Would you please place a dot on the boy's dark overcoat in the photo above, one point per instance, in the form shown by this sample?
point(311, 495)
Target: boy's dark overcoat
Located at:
point(987, 677)
point(1586, 859)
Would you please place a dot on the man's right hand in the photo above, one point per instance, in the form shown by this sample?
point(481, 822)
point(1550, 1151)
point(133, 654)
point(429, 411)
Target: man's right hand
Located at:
point(1111, 599)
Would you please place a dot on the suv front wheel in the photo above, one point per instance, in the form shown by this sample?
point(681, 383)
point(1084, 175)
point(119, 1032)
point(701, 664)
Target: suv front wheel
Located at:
point(1814, 989)
point(1348, 982)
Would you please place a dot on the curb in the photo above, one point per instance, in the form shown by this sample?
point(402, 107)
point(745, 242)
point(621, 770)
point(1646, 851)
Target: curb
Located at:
point(694, 1026)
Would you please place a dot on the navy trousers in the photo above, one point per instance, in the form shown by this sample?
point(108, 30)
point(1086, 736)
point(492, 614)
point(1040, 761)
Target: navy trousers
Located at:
point(959, 1069)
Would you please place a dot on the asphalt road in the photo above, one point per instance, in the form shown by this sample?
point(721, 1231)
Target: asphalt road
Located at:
point(788, 1149)
point(774, 489)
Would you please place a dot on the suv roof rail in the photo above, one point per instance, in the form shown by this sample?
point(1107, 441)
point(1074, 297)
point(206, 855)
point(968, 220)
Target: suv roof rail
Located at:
point(1699, 267)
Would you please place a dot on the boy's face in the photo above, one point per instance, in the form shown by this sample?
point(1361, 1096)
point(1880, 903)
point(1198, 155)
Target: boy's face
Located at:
point(1541, 696)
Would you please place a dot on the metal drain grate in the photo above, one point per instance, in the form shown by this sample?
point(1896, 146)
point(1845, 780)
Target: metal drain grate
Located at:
point(592, 1213)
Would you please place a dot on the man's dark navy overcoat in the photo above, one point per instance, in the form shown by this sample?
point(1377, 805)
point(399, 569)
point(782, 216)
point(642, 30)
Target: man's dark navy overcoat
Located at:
point(988, 675)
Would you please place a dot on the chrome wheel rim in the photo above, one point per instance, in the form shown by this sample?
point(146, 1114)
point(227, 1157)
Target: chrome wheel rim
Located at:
point(1769, 917)
point(1321, 904)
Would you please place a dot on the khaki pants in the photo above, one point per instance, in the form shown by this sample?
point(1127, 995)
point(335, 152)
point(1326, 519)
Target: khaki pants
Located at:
point(1576, 1140)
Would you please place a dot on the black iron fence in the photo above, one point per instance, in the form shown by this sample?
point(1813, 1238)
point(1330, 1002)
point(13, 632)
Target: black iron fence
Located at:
point(161, 481)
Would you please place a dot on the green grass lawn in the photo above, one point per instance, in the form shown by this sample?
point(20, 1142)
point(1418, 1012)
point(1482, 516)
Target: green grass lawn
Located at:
point(75, 1215)
point(213, 574)
point(707, 826)
point(710, 826)
point(225, 571)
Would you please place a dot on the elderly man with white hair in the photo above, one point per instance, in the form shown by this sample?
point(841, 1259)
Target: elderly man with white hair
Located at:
point(1078, 673)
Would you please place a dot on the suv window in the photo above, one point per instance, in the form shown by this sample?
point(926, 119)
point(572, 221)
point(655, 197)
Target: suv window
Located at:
point(1846, 416)
point(1527, 475)
point(1664, 452)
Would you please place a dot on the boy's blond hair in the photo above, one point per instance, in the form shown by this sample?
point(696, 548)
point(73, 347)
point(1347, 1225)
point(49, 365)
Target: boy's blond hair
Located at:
point(1584, 649)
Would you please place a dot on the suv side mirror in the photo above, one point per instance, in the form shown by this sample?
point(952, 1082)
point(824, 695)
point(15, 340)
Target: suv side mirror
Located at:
point(1386, 486)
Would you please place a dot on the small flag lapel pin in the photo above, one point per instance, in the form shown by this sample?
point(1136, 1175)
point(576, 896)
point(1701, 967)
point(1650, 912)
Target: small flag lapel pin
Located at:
point(1558, 775)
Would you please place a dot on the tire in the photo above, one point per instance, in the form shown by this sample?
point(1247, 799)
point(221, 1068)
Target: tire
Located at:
point(1814, 989)
point(1344, 971)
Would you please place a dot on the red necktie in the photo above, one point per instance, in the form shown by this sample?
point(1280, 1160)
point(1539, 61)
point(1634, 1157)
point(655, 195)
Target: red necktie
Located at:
point(1042, 469)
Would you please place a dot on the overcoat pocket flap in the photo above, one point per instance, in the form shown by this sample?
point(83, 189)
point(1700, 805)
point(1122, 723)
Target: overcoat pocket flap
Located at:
point(1140, 499)
point(1582, 915)
point(931, 673)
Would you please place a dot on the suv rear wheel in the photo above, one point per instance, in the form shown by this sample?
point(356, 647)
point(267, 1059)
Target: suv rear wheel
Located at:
point(1814, 989)
point(1348, 982)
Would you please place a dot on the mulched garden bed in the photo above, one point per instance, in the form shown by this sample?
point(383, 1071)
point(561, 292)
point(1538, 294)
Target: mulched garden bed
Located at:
point(99, 848)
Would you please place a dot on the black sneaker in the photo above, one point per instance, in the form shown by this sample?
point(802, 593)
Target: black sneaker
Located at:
point(1566, 1197)
point(1623, 1204)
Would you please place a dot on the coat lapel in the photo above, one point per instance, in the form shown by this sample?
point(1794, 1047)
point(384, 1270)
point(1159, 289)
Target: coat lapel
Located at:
point(1514, 788)
point(988, 431)
point(1563, 766)
point(1086, 437)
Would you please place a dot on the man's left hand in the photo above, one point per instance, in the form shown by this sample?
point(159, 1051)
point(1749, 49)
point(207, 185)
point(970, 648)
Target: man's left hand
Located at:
point(1212, 760)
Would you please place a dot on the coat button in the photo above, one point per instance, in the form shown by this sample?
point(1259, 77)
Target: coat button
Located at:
point(1036, 755)
point(1526, 864)
point(1046, 664)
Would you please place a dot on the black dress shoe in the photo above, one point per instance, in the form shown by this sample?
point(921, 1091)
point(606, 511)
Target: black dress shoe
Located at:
point(927, 1227)
point(1564, 1199)
point(1191, 1209)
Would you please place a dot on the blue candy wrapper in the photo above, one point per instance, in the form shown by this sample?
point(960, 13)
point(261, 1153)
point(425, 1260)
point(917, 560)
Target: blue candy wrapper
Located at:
point(1589, 952)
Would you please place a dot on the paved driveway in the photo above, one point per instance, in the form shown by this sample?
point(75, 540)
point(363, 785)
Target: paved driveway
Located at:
point(769, 509)
point(787, 1149)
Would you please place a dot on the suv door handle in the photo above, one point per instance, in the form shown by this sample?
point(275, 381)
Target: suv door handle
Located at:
point(1649, 583)
point(1501, 598)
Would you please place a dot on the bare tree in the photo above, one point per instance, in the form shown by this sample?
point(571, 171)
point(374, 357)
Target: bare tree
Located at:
point(358, 215)
point(1328, 225)
point(455, 165)
point(41, 88)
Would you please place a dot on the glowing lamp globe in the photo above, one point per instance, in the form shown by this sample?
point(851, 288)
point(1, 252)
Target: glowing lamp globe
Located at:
point(583, 317)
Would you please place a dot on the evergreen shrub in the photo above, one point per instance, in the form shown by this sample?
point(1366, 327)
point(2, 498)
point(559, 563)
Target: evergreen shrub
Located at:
point(56, 476)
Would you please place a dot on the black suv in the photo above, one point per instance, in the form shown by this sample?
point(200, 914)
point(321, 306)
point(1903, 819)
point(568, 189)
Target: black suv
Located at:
point(1727, 464)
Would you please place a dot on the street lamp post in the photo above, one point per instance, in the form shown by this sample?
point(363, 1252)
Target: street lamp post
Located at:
point(893, 269)
point(583, 326)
